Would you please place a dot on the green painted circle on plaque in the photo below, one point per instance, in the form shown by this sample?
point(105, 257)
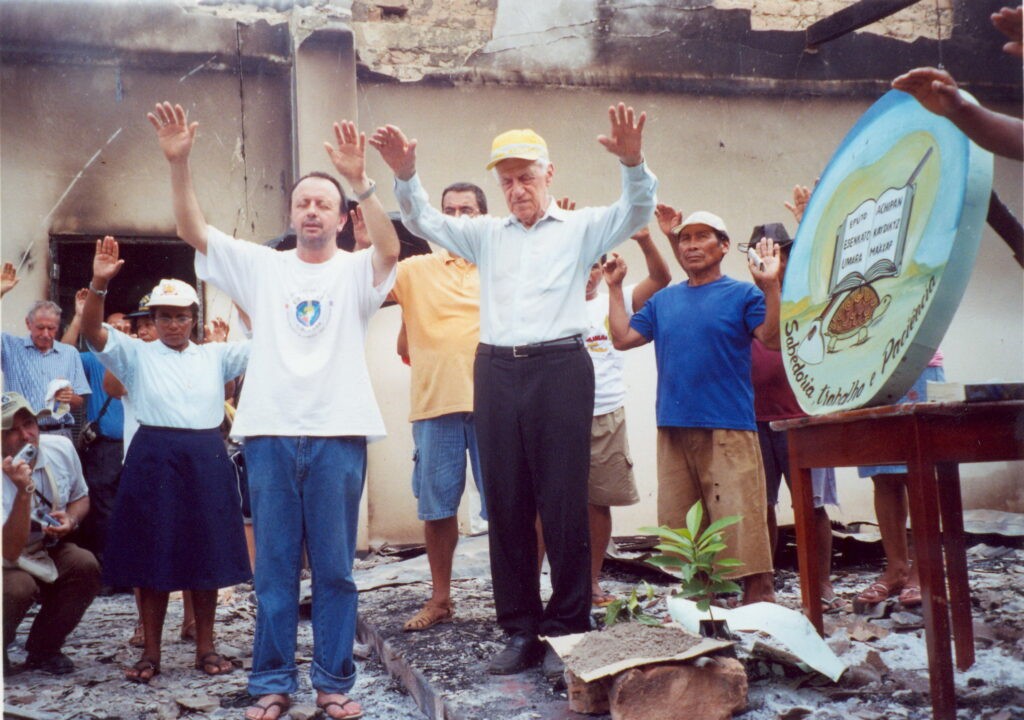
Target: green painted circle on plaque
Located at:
point(882, 256)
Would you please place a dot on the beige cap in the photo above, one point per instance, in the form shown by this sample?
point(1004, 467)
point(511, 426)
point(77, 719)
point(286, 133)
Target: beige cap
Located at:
point(702, 217)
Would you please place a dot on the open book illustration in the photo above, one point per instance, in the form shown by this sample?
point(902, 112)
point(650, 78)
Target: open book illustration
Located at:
point(869, 246)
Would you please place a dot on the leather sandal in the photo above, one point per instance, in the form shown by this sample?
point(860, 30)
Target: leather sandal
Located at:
point(911, 596)
point(282, 708)
point(875, 593)
point(429, 616)
point(142, 666)
point(341, 706)
point(215, 660)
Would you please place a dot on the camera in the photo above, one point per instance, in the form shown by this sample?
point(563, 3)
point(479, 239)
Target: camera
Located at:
point(44, 518)
point(27, 453)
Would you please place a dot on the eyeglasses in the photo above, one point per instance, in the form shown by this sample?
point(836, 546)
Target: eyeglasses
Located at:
point(165, 320)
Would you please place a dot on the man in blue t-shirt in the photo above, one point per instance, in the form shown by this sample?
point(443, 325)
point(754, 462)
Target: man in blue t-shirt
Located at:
point(707, 436)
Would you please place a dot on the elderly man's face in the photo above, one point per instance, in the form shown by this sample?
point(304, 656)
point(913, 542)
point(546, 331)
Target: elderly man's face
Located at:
point(24, 431)
point(316, 214)
point(42, 328)
point(120, 323)
point(525, 186)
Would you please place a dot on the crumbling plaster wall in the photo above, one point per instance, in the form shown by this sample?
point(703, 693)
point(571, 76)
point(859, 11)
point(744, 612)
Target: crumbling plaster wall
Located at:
point(606, 42)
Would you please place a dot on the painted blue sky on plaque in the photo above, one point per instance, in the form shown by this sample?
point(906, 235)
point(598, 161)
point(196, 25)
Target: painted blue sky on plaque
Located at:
point(882, 256)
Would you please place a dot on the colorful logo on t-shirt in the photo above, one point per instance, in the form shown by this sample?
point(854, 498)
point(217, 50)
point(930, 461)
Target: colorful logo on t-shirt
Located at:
point(308, 313)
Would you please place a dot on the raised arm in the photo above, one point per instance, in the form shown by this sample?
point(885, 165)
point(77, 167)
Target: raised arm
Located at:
point(937, 91)
point(658, 274)
point(396, 150)
point(1010, 22)
point(625, 139)
point(176, 136)
point(623, 336)
point(70, 336)
point(770, 281)
point(106, 264)
point(349, 158)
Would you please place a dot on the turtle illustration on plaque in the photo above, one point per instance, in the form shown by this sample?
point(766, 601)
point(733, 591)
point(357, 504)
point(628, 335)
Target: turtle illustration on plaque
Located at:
point(882, 256)
point(869, 246)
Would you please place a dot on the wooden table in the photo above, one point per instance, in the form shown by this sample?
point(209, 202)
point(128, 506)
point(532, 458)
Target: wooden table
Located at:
point(931, 439)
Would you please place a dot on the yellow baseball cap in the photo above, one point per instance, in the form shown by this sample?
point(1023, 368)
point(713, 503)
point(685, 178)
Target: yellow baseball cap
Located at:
point(522, 144)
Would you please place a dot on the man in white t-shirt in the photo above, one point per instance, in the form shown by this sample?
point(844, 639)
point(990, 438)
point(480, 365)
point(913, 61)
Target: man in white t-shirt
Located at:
point(611, 479)
point(308, 407)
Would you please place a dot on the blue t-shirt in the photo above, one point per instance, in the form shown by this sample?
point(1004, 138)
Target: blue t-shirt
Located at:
point(112, 422)
point(702, 339)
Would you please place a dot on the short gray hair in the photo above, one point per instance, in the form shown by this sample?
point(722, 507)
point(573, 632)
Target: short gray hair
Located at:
point(42, 306)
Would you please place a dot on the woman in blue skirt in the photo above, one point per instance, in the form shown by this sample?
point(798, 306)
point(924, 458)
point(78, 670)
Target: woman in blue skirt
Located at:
point(176, 523)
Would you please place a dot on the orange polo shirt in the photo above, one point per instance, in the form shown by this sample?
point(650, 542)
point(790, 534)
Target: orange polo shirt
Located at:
point(440, 299)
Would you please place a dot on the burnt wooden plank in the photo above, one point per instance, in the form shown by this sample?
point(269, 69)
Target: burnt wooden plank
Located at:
point(853, 17)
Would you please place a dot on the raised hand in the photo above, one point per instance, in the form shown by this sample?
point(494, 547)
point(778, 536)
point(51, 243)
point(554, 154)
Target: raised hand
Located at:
point(8, 278)
point(935, 89)
point(801, 196)
point(173, 131)
point(566, 204)
point(349, 154)
point(668, 218)
point(106, 263)
point(614, 269)
point(396, 150)
point(80, 297)
point(359, 228)
point(768, 251)
point(1010, 22)
point(641, 235)
point(216, 330)
point(626, 138)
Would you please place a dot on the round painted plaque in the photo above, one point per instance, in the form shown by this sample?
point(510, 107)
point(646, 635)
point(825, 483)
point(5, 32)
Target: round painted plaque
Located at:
point(882, 256)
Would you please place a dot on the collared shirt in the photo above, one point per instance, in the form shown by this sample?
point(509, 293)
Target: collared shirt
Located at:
point(533, 280)
point(174, 389)
point(29, 372)
point(440, 298)
point(57, 454)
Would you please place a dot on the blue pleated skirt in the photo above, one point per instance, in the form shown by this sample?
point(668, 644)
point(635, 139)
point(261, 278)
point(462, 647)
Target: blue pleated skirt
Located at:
point(176, 523)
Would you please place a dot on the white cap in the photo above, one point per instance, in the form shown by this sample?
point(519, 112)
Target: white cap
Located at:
point(173, 293)
point(702, 217)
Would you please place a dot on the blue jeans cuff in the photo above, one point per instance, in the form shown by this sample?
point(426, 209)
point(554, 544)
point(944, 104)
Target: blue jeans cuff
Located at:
point(327, 683)
point(282, 681)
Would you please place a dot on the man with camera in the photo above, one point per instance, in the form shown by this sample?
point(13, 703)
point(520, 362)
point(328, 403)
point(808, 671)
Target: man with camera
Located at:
point(44, 499)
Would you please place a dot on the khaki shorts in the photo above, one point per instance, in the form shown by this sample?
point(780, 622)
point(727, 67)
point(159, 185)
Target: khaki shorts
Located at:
point(723, 469)
point(611, 467)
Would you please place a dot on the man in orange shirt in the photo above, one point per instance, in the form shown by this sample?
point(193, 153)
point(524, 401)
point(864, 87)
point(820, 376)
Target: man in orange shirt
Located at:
point(440, 298)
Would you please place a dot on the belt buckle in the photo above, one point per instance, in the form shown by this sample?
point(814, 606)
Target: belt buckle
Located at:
point(516, 350)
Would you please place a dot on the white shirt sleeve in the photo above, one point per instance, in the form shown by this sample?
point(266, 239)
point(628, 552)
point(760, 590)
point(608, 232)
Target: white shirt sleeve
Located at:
point(461, 235)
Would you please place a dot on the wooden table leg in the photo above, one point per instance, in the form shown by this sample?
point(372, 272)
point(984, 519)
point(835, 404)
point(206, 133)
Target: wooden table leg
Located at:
point(803, 515)
point(951, 507)
point(923, 499)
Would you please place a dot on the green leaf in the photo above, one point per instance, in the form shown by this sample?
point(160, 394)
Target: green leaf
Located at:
point(703, 604)
point(725, 586)
point(729, 563)
point(648, 620)
point(664, 561)
point(694, 517)
point(721, 523)
point(611, 614)
point(666, 533)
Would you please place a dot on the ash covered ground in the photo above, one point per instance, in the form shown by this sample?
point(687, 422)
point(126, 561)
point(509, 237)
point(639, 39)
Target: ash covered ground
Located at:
point(887, 675)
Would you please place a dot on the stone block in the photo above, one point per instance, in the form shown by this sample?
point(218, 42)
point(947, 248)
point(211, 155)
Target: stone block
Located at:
point(712, 689)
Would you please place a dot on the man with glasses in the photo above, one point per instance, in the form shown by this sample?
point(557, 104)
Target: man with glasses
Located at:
point(707, 437)
point(440, 298)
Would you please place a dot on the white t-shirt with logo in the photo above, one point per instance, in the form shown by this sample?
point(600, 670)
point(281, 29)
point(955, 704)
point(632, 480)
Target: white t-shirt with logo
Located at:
point(307, 374)
point(609, 385)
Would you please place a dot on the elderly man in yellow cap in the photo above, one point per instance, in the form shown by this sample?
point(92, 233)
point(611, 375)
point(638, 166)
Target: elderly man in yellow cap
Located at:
point(533, 379)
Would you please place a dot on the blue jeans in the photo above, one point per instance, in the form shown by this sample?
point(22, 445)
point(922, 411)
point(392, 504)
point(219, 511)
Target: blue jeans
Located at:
point(439, 473)
point(304, 488)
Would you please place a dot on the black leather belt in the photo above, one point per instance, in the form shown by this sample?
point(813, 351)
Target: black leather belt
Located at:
point(572, 342)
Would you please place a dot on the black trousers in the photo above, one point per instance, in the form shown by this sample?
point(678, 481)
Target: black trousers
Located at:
point(533, 420)
point(101, 465)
